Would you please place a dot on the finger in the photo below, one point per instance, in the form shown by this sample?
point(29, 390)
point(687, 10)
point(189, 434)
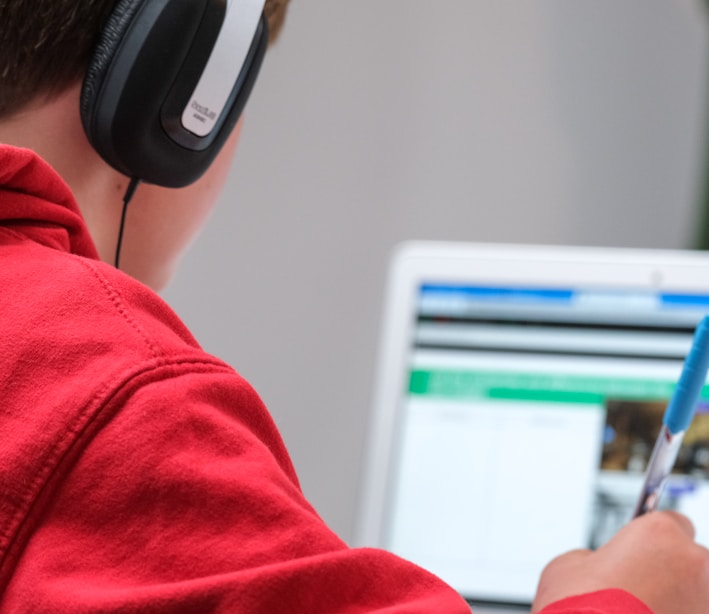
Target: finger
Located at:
point(681, 520)
point(572, 557)
point(578, 553)
point(555, 575)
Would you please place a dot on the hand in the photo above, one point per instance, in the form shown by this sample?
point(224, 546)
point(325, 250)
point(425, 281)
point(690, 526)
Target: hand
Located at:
point(654, 557)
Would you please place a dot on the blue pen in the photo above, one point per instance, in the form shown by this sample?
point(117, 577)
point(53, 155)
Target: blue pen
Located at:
point(678, 416)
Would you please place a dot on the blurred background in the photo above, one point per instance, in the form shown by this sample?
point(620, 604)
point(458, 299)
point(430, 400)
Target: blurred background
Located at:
point(471, 120)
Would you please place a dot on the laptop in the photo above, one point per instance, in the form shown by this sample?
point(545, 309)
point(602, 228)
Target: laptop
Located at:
point(519, 393)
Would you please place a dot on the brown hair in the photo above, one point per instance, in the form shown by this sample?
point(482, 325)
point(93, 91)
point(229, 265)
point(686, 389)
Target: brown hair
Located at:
point(45, 44)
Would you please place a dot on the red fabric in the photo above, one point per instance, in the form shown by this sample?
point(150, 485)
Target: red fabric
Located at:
point(137, 473)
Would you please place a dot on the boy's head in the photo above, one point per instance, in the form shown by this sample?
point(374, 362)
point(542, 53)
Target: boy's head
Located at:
point(45, 45)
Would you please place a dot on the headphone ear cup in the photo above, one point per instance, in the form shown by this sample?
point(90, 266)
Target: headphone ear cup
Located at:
point(145, 74)
point(111, 37)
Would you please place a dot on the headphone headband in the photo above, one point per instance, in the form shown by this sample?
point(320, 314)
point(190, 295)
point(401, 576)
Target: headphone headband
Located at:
point(224, 65)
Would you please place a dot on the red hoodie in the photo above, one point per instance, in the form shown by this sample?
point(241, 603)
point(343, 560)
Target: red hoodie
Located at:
point(139, 474)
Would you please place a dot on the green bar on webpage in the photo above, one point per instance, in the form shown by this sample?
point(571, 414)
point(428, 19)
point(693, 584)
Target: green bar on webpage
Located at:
point(546, 396)
point(548, 387)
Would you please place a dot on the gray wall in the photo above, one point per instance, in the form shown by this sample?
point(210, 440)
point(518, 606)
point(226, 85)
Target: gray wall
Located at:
point(375, 122)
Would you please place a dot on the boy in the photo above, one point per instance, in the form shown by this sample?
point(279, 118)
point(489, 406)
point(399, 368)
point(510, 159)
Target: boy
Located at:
point(137, 473)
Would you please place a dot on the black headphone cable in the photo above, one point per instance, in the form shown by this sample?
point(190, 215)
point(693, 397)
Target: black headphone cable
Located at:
point(130, 191)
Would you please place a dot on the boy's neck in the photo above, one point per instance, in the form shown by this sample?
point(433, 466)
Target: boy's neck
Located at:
point(53, 130)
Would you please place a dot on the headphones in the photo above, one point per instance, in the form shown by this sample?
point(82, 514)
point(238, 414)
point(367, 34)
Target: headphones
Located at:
point(167, 82)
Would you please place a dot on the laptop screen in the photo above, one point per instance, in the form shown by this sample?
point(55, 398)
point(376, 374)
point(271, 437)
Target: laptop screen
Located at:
point(527, 418)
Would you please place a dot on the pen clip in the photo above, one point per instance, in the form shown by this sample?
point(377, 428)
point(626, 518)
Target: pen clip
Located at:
point(660, 466)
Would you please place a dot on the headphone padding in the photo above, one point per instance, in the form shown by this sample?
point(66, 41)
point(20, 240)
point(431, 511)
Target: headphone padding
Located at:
point(106, 48)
